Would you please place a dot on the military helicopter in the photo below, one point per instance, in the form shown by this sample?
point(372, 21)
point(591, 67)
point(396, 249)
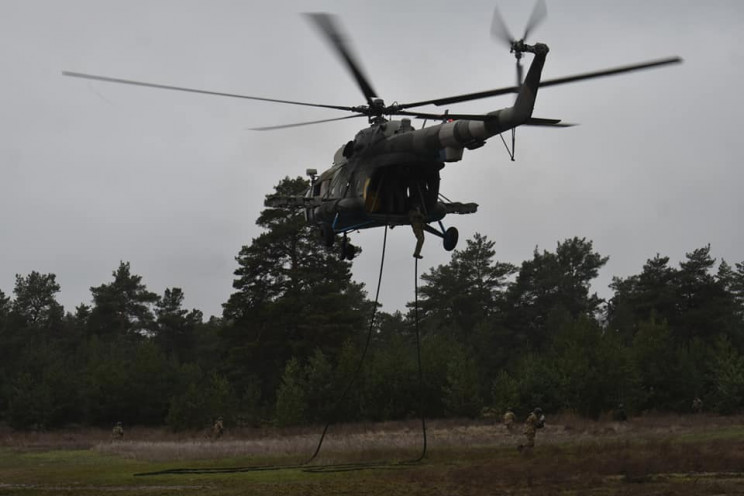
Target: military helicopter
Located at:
point(390, 169)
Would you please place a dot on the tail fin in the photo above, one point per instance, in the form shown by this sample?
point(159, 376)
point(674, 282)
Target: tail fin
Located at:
point(525, 101)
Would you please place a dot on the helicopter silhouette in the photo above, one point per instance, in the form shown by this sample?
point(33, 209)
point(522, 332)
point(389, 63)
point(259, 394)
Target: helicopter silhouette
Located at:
point(388, 175)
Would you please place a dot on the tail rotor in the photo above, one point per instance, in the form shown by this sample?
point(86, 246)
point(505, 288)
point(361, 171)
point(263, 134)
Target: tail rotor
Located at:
point(500, 32)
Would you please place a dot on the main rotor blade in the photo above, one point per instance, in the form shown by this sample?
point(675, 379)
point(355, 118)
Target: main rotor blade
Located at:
point(539, 12)
point(549, 82)
point(192, 90)
point(298, 124)
point(461, 98)
point(329, 28)
point(611, 72)
point(532, 121)
point(447, 116)
point(499, 30)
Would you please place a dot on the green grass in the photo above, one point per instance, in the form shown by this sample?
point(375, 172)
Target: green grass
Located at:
point(731, 433)
point(648, 456)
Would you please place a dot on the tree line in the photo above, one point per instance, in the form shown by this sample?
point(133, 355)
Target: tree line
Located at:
point(292, 335)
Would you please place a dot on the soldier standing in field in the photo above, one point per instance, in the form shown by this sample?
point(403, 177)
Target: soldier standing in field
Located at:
point(510, 420)
point(218, 428)
point(118, 431)
point(535, 420)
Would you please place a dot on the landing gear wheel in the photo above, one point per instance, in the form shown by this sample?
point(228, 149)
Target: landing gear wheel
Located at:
point(450, 238)
point(326, 235)
point(347, 251)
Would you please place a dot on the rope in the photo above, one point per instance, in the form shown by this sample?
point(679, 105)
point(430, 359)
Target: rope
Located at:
point(316, 469)
point(420, 369)
point(364, 352)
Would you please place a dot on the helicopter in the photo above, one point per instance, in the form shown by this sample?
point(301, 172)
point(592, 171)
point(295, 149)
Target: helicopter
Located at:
point(390, 170)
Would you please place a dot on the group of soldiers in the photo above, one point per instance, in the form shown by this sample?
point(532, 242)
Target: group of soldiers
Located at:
point(535, 420)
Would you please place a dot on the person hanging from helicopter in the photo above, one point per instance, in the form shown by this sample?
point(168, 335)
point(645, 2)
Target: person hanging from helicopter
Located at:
point(417, 224)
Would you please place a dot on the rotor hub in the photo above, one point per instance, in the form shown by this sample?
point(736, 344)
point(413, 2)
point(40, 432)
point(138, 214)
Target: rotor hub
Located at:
point(519, 47)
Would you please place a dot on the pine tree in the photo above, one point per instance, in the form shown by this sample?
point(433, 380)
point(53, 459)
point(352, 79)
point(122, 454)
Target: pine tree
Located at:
point(122, 307)
point(292, 296)
point(460, 295)
point(553, 288)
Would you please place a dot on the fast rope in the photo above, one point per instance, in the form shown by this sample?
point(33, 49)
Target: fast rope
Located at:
point(364, 354)
point(420, 369)
point(364, 351)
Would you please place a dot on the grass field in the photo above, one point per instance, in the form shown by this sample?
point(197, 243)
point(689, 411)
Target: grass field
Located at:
point(653, 455)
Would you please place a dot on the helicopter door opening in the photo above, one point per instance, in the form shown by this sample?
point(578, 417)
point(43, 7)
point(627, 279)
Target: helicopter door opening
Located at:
point(395, 190)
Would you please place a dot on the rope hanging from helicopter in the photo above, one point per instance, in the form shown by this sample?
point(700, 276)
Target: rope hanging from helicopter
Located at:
point(420, 368)
point(358, 370)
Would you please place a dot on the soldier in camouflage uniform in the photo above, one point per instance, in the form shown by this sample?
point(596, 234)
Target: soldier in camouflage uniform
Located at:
point(535, 420)
point(218, 428)
point(118, 431)
point(510, 420)
point(418, 221)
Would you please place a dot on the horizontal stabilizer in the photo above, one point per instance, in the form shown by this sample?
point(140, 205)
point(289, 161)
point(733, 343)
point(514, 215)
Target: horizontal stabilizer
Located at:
point(536, 121)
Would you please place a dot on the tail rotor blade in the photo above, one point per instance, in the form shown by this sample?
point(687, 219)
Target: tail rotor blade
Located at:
point(519, 73)
point(499, 31)
point(539, 13)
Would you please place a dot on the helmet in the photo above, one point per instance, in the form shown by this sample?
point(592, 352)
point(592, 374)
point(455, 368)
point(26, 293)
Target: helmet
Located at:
point(538, 410)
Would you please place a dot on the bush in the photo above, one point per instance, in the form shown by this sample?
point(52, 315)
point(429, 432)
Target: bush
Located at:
point(291, 398)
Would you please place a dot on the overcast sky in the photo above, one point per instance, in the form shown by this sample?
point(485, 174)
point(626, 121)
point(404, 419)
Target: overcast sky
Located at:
point(93, 173)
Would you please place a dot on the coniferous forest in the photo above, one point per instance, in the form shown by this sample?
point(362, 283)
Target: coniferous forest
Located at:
point(296, 326)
